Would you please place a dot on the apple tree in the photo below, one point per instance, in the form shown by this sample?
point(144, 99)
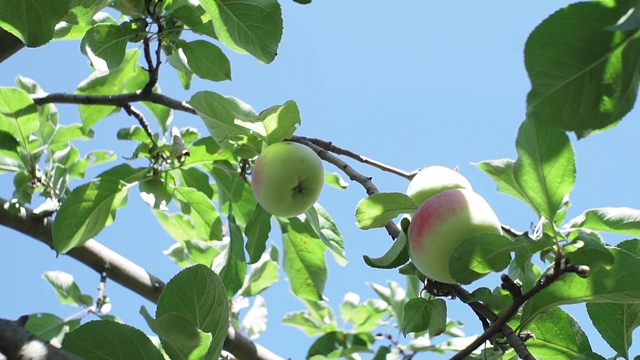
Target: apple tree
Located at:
point(224, 203)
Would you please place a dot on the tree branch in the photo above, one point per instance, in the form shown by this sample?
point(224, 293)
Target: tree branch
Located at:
point(114, 100)
point(121, 270)
point(16, 343)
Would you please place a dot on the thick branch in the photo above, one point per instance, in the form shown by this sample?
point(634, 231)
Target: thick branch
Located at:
point(16, 343)
point(121, 270)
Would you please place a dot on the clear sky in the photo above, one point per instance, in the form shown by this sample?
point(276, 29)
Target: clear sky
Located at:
point(411, 84)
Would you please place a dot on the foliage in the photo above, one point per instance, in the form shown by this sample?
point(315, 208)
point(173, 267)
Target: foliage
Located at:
point(583, 63)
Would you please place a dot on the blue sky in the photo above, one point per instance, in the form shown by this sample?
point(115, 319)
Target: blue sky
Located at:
point(414, 84)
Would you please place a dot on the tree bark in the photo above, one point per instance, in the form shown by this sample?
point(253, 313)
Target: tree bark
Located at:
point(16, 343)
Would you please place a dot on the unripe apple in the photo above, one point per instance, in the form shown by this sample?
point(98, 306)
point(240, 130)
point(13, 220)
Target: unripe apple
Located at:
point(441, 223)
point(287, 178)
point(434, 179)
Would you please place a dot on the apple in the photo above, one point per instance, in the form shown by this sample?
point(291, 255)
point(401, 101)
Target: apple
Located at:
point(287, 178)
point(441, 223)
point(434, 179)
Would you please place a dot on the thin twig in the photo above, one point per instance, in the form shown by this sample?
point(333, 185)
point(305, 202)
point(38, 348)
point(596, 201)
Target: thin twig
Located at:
point(365, 181)
point(113, 100)
point(131, 111)
point(328, 145)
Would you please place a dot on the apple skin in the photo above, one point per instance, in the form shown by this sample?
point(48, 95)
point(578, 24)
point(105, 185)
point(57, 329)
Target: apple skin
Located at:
point(441, 223)
point(434, 179)
point(287, 178)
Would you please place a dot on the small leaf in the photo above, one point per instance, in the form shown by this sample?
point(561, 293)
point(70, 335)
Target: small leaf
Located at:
point(585, 250)
point(106, 44)
point(501, 171)
point(378, 209)
point(201, 212)
point(328, 232)
point(235, 267)
point(558, 336)
point(257, 232)
point(207, 60)
point(198, 294)
point(86, 211)
point(479, 255)
point(396, 256)
point(421, 314)
point(303, 260)
point(253, 26)
point(262, 275)
point(179, 336)
point(334, 179)
point(255, 321)
point(66, 288)
point(619, 220)
point(545, 169)
point(279, 122)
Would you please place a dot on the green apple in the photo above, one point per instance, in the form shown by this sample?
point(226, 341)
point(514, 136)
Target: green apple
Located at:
point(434, 179)
point(441, 223)
point(287, 178)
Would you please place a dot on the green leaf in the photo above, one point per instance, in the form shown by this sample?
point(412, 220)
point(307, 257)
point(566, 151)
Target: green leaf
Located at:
point(545, 169)
point(18, 118)
point(396, 256)
point(303, 260)
point(104, 339)
point(615, 323)
point(618, 284)
point(179, 62)
point(219, 114)
point(582, 74)
point(378, 209)
point(86, 211)
point(253, 26)
point(162, 114)
point(207, 60)
point(421, 314)
point(180, 338)
point(619, 220)
point(558, 336)
point(366, 316)
point(328, 232)
point(195, 178)
point(257, 232)
point(32, 22)
point(255, 321)
point(235, 267)
point(50, 327)
point(480, 255)
point(232, 188)
point(201, 213)
point(339, 344)
point(105, 45)
point(501, 171)
point(262, 274)
point(586, 250)
point(83, 11)
point(198, 294)
point(66, 288)
point(335, 180)
point(127, 77)
point(278, 122)
point(394, 295)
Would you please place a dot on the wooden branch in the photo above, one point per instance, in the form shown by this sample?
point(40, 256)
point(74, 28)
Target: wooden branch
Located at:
point(121, 270)
point(16, 343)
